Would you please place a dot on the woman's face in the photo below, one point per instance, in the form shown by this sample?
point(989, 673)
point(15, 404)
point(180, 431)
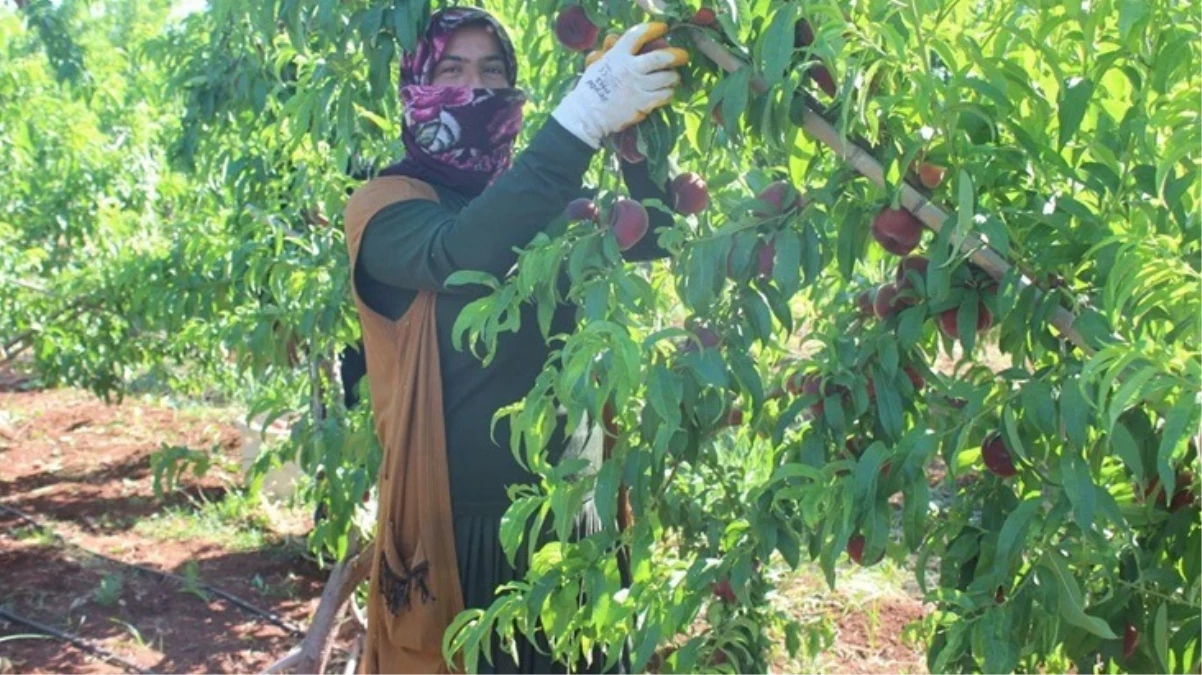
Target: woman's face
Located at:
point(472, 58)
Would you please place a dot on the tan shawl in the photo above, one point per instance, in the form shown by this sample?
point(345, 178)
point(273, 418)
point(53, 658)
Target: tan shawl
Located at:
point(415, 592)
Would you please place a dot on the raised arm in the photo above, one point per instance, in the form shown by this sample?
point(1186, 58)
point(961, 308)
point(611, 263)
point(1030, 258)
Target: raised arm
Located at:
point(417, 244)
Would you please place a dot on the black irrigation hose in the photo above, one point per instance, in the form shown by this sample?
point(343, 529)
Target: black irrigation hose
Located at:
point(274, 618)
point(82, 643)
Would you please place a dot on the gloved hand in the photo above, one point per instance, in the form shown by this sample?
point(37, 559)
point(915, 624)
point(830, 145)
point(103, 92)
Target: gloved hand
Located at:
point(610, 41)
point(622, 86)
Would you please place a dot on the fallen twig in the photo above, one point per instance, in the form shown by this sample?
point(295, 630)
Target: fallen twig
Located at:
point(82, 643)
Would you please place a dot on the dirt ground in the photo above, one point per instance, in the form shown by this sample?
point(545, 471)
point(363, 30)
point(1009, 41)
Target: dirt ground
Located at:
point(82, 468)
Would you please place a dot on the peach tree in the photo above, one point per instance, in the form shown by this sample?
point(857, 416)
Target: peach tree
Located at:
point(932, 295)
point(773, 387)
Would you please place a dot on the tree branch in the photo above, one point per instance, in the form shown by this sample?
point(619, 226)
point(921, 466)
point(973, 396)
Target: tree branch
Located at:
point(917, 203)
point(313, 651)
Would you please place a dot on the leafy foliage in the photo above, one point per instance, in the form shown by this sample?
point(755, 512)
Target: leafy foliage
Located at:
point(172, 214)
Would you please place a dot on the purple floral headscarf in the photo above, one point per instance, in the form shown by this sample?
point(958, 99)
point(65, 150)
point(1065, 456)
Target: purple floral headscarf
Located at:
point(458, 137)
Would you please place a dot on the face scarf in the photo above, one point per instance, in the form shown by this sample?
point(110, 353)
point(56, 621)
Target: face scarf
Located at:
point(458, 137)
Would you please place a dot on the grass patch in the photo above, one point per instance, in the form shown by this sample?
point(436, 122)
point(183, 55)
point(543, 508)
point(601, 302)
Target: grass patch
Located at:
point(235, 522)
point(861, 624)
point(36, 536)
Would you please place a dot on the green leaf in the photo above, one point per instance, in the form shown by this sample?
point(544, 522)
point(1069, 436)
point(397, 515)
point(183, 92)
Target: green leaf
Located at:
point(849, 245)
point(889, 408)
point(648, 640)
point(1074, 412)
point(1072, 607)
point(780, 306)
point(1131, 14)
point(513, 524)
point(1010, 433)
point(1013, 534)
point(1074, 99)
point(458, 637)
point(605, 493)
point(915, 512)
point(868, 470)
point(703, 270)
point(759, 314)
point(743, 368)
point(966, 322)
point(469, 277)
point(734, 99)
point(787, 270)
point(1109, 509)
point(996, 629)
point(777, 46)
point(965, 200)
point(952, 647)
point(1180, 420)
point(1127, 448)
point(909, 326)
point(789, 546)
point(665, 391)
point(1040, 406)
point(1160, 636)
point(792, 638)
point(1128, 393)
point(1078, 486)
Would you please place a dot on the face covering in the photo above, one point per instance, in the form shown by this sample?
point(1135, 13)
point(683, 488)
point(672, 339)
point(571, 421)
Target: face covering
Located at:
point(458, 137)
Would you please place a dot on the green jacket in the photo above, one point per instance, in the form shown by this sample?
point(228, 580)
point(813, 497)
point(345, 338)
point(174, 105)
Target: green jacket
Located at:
point(415, 245)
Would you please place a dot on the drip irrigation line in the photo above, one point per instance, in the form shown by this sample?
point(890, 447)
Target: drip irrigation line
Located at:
point(271, 616)
point(82, 643)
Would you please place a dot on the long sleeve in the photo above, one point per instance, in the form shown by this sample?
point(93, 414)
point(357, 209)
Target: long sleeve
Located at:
point(417, 244)
point(638, 181)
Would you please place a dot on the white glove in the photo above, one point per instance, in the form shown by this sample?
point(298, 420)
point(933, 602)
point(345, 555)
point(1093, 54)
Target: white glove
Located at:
point(622, 86)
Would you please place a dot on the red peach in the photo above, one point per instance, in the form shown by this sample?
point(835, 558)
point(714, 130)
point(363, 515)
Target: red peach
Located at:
point(916, 263)
point(897, 230)
point(825, 81)
point(949, 324)
point(629, 221)
point(704, 17)
point(583, 209)
point(575, 30)
point(855, 548)
point(774, 196)
point(997, 456)
point(930, 175)
point(690, 195)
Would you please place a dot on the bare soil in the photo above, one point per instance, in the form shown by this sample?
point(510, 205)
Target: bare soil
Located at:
point(82, 468)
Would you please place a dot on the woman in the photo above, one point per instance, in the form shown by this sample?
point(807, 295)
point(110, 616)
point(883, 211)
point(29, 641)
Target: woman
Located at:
point(453, 203)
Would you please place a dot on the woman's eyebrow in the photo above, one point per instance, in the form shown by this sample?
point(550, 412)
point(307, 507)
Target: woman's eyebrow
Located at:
point(460, 59)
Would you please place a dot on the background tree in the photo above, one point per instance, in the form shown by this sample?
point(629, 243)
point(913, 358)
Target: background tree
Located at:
point(760, 412)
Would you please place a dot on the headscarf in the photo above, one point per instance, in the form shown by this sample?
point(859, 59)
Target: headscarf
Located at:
point(458, 137)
